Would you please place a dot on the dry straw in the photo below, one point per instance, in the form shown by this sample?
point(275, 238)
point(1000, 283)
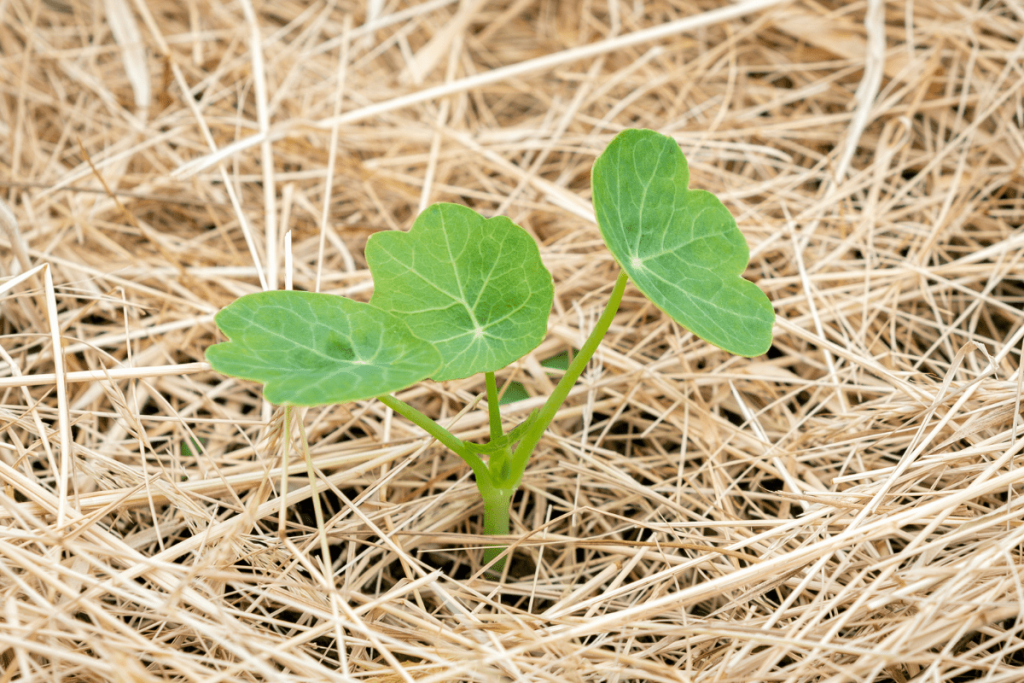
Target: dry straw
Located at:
point(847, 508)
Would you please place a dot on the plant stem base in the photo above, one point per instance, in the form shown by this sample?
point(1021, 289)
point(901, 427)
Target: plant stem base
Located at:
point(496, 523)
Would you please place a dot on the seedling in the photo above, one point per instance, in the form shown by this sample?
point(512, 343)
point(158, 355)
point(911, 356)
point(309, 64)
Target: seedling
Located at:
point(459, 295)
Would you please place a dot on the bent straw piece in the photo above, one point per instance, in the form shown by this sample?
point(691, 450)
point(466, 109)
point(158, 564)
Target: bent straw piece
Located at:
point(497, 75)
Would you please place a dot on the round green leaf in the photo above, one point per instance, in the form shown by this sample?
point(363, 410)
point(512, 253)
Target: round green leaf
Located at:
point(475, 288)
point(317, 349)
point(680, 247)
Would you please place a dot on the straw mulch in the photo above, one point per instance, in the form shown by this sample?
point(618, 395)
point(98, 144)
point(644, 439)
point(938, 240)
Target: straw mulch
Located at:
point(846, 508)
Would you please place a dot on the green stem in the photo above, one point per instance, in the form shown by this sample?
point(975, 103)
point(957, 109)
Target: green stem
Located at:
point(452, 442)
point(496, 523)
point(423, 422)
point(317, 510)
point(572, 373)
point(493, 408)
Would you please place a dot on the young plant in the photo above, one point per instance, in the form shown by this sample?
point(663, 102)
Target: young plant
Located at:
point(459, 295)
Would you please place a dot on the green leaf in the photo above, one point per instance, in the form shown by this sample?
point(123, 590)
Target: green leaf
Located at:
point(516, 391)
point(187, 452)
point(474, 288)
point(558, 362)
point(680, 247)
point(506, 440)
point(316, 349)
